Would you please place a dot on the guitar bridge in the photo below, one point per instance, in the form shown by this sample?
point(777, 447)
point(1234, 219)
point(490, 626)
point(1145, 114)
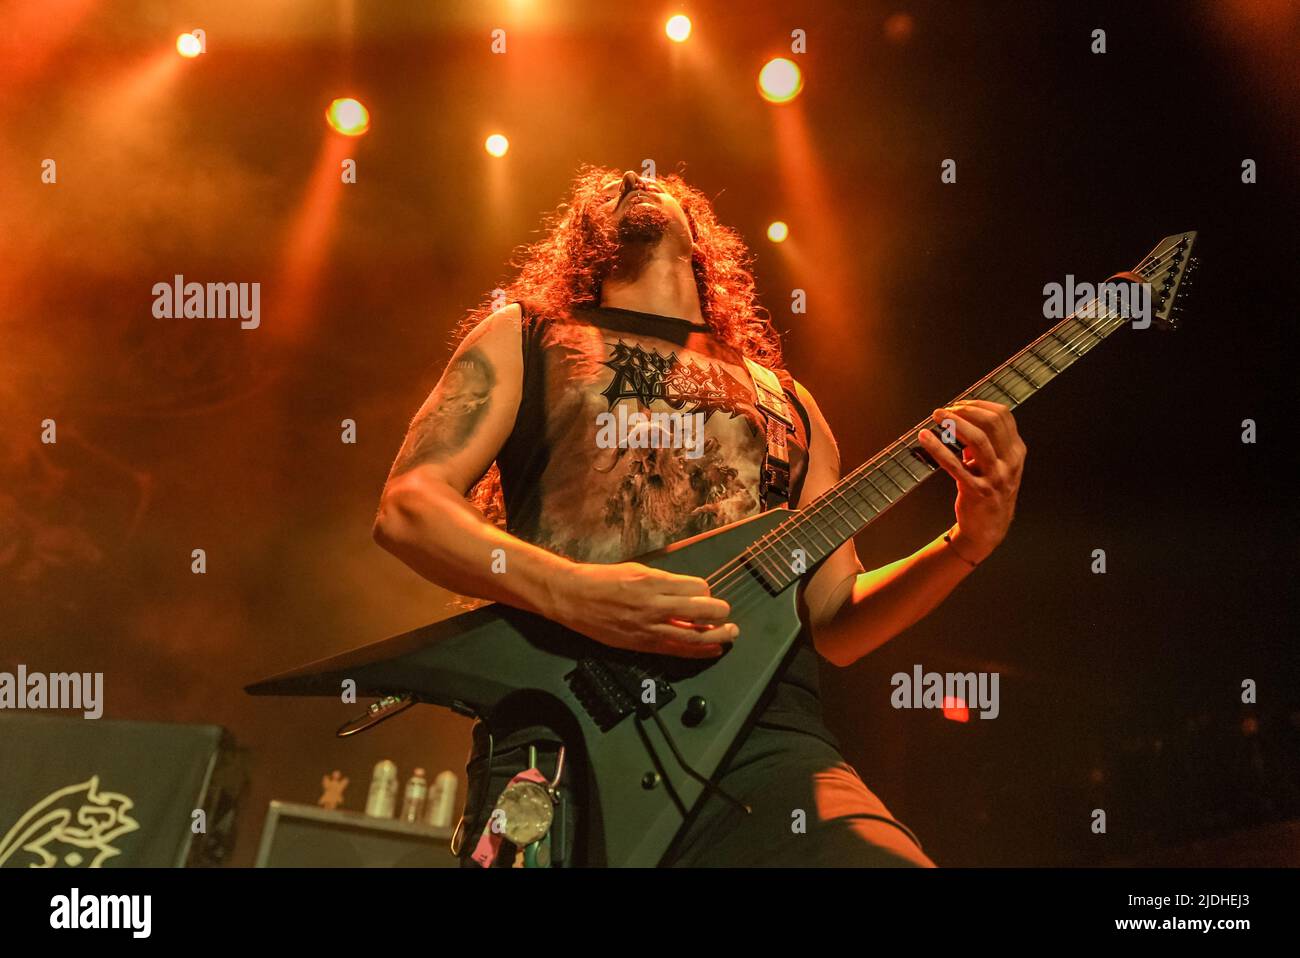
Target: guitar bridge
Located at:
point(610, 691)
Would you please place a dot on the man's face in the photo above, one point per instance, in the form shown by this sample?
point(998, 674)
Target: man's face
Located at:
point(643, 212)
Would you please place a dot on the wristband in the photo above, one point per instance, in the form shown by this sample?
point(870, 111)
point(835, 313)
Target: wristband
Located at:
point(947, 537)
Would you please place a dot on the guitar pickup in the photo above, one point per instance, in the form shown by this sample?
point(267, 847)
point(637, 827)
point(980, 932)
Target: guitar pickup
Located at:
point(611, 691)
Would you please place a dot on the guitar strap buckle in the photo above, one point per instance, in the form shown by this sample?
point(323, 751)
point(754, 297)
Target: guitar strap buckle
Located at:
point(778, 420)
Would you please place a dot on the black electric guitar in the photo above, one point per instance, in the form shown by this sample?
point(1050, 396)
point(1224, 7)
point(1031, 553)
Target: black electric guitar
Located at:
point(654, 729)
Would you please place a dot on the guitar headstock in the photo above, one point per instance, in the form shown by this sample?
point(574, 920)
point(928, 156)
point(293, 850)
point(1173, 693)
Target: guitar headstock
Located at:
point(1168, 268)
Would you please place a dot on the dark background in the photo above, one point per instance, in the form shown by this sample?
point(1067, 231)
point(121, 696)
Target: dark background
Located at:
point(1119, 691)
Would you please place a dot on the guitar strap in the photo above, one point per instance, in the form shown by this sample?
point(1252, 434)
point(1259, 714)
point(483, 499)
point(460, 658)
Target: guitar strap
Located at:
point(778, 418)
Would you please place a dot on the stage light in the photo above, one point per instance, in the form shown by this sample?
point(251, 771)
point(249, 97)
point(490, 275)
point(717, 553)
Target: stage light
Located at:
point(188, 45)
point(778, 232)
point(348, 116)
point(496, 144)
point(898, 27)
point(678, 28)
point(780, 80)
point(955, 709)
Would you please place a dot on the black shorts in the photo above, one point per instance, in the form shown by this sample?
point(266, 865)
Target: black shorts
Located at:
point(808, 808)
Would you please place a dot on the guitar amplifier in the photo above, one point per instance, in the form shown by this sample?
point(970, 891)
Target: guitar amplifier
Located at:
point(110, 794)
point(305, 836)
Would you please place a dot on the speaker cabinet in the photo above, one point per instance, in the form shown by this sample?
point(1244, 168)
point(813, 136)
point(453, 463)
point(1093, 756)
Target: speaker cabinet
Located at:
point(109, 794)
point(304, 836)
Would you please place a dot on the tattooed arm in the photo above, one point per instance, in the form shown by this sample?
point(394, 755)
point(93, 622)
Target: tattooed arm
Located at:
point(424, 518)
point(452, 414)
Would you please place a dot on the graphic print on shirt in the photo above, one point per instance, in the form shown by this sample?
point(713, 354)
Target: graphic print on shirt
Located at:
point(674, 478)
point(689, 386)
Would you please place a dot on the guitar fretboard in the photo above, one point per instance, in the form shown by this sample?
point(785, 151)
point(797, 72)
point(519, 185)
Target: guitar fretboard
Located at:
point(814, 532)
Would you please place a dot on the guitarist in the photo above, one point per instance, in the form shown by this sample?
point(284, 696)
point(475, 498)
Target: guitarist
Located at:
point(521, 481)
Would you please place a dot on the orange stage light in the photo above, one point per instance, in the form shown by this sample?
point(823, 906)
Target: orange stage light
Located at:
point(955, 709)
point(496, 144)
point(188, 45)
point(778, 232)
point(780, 80)
point(348, 116)
point(678, 28)
point(899, 27)
point(306, 247)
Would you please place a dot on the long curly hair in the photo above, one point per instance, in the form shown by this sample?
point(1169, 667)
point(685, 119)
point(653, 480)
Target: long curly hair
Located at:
point(566, 268)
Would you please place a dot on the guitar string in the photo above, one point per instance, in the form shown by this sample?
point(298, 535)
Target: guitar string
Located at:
point(1099, 330)
point(737, 581)
point(906, 445)
point(737, 572)
point(1062, 347)
point(1074, 345)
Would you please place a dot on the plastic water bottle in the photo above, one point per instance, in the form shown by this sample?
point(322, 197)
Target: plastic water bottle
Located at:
point(417, 789)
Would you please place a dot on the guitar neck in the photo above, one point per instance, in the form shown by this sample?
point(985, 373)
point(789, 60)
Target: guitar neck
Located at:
point(814, 532)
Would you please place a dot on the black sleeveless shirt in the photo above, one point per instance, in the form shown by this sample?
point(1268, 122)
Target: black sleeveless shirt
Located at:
point(589, 480)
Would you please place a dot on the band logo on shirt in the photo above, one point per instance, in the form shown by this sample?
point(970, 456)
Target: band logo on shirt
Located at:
point(690, 386)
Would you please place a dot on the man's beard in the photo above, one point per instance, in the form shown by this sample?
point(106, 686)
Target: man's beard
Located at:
point(635, 238)
point(644, 224)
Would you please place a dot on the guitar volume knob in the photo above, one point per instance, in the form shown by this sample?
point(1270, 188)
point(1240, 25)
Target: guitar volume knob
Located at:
point(697, 710)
